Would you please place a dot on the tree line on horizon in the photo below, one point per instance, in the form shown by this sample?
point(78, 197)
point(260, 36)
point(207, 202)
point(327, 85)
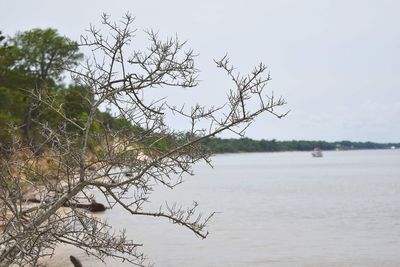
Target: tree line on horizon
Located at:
point(219, 145)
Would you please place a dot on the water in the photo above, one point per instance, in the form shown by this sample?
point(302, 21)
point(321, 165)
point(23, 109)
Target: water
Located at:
point(280, 209)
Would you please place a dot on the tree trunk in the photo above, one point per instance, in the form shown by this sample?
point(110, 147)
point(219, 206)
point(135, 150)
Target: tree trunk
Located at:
point(27, 125)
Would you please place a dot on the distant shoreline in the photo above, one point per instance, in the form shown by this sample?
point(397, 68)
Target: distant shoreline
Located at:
point(245, 145)
point(303, 151)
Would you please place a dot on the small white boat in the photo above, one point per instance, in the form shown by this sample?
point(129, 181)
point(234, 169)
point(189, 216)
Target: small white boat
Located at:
point(317, 152)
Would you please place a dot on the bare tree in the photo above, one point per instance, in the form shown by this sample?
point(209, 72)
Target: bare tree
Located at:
point(93, 156)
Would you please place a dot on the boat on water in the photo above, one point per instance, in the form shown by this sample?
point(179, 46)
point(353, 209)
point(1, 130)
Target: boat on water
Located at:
point(317, 153)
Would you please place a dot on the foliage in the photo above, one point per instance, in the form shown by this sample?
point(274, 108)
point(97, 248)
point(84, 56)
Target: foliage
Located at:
point(44, 54)
point(38, 58)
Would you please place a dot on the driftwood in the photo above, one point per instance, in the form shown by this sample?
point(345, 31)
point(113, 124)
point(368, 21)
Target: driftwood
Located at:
point(92, 207)
point(75, 261)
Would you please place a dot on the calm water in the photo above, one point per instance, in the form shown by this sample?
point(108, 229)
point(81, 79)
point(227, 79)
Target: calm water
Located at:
point(280, 209)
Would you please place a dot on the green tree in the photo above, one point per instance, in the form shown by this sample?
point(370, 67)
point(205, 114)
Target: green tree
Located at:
point(42, 55)
point(8, 56)
point(76, 103)
point(45, 54)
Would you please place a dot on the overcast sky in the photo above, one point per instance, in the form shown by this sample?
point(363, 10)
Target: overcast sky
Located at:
point(337, 63)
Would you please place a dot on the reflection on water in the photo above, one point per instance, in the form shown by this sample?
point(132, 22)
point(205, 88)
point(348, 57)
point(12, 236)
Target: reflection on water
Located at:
point(279, 209)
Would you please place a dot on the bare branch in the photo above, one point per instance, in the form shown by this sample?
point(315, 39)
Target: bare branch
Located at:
point(74, 158)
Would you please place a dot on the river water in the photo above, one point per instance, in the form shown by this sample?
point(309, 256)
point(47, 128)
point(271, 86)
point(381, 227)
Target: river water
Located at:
point(278, 209)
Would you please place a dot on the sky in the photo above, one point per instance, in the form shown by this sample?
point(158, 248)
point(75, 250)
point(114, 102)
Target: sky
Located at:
point(336, 63)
